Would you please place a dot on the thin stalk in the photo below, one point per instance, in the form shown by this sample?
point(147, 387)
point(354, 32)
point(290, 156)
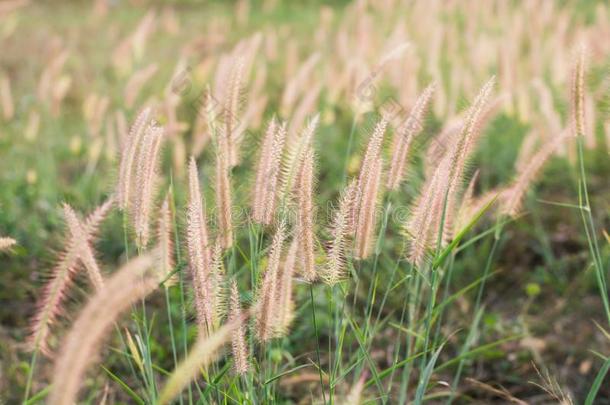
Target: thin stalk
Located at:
point(28, 384)
point(445, 295)
point(434, 284)
point(331, 387)
point(378, 245)
point(181, 283)
point(171, 330)
point(590, 231)
point(414, 303)
point(398, 345)
point(477, 305)
point(313, 316)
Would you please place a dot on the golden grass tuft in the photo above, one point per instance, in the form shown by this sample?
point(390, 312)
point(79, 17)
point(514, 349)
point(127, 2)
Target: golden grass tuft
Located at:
point(83, 247)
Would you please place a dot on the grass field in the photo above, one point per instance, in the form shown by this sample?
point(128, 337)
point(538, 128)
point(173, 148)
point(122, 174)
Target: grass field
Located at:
point(301, 202)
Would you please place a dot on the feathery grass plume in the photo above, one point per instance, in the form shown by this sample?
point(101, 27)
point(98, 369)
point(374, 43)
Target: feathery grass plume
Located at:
point(137, 81)
point(335, 268)
point(513, 197)
point(198, 248)
point(83, 247)
point(438, 198)
point(231, 110)
point(450, 134)
point(467, 138)
point(239, 346)
point(133, 350)
point(368, 192)
point(131, 283)
point(440, 143)
point(367, 82)
point(371, 156)
point(296, 83)
point(166, 242)
point(202, 131)
point(305, 216)
point(267, 173)
point(367, 215)
point(49, 307)
point(467, 202)
point(527, 149)
point(404, 137)
point(267, 293)
point(305, 107)
point(223, 181)
point(420, 224)
point(217, 287)
point(146, 182)
point(285, 302)
point(205, 351)
point(6, 243)
point(578, 94)
point(295, 153)
point(459, 154)
point(128, 158)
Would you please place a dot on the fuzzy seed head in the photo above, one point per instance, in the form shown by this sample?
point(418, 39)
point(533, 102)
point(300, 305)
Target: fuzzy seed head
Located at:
point(367, 215)
point(128, 158)
point(166, 243)
point(6, 243)
point(578, 94)
point(404, 138)
point(268, 172)
point(305, 214)
point(239, 346)
point(268, 291)
point(335, 267)
point(131, 283)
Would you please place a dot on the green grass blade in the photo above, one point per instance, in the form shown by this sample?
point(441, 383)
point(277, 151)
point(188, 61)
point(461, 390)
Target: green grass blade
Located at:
point(423, 381)
point(124, 386)
point(458, 237)
point(597, 383)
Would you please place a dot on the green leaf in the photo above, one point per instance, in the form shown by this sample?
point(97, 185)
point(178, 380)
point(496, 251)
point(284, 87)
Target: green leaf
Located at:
point(125, 387)
point(478, 350)
point(423, 382)
point(39, 396)
point(598, 382)
point(280, 375)
point(460, 235)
